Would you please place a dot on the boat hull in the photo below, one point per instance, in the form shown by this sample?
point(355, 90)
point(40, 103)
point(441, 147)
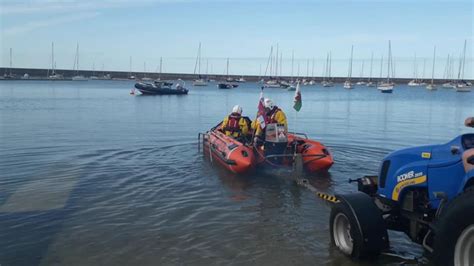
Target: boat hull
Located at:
point(149, 89)
point(228, 152)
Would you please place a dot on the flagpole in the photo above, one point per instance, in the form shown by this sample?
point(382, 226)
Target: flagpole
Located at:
point(256, 116)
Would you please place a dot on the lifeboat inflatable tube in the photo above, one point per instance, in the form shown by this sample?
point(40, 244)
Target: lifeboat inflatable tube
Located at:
point(228, 152)
point(316, 157)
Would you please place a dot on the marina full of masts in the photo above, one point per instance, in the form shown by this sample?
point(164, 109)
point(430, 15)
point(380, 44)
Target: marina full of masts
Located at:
point(453, 72)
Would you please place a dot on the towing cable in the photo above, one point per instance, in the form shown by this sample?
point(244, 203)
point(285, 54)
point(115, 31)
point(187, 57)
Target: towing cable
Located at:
point(326, 197)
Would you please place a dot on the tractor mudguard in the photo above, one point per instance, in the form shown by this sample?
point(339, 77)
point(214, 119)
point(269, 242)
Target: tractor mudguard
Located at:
point(467, 182)
point(369, 219)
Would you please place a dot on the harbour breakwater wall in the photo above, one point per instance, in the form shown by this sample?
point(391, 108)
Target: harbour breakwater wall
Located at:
point(40, 74)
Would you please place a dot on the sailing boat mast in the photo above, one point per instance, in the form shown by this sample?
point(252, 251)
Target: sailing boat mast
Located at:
point(281, 63)
point(463, 60)
point(276, 62)
point(227, 71)
point(371, 64)
point(130, 70)
point(52, 59)
point(330, 66)
point(389, 61)
point(350, 64)
point(432, 70)
point(292, 63)
point(11, 64)
point(381, 67)
point(161, 66)
point(197, 59)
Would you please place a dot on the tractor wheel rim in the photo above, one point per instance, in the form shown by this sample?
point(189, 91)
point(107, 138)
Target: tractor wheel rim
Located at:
point(342, 233)
point(464, 250)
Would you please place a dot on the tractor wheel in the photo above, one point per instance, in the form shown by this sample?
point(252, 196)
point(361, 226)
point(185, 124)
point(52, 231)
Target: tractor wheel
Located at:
point(357, 228)
point(454, 232)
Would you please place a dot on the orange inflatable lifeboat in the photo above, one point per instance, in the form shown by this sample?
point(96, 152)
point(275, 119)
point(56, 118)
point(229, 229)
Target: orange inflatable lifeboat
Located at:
point(228, 152)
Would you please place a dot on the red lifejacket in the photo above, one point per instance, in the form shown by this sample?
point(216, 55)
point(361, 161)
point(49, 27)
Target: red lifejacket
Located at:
point(232, 125)
point(270, 116)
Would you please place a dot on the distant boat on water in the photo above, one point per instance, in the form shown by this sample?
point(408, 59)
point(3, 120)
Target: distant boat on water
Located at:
point(54, 75)
point(387, 86)
point(432, 86)
point(327, 82)
point(461, 84)
point(415, 82)
point(8, 74)
point(369, 81)
point(77, 77)
point(348, 84)
point(227, 84)
point(197, 68)
point(161, 88)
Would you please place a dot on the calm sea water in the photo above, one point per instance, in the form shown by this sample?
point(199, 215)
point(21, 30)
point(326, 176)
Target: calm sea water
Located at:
point(90, 175)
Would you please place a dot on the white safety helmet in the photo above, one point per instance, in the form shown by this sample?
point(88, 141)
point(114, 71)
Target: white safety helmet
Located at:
point(268, 103)
point(237, 109)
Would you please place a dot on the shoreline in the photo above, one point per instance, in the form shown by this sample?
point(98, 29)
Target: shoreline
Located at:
point(38, 74)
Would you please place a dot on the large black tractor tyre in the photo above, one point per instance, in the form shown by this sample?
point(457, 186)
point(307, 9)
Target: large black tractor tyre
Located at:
point(454, 232)
point(357, 228)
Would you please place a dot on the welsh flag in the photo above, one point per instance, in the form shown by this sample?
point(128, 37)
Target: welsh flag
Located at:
point(297, 103)
point(261, 111)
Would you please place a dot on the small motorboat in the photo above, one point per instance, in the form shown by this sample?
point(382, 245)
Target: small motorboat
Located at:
point(224, 85)
point(227, 85)
point(161, 88)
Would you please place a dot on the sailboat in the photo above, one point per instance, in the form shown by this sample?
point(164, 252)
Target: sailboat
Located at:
point(462, 85)
point(54, 75)
point(130, 74)
point(312, 81)
point(361, 81)
point(327, 82)
point(145, 78)
point(160, 69)
point(369, 82)
point(200, 81)
point(415, 82)
point(271, 82)
point(348, 84)
point(449, 84)
point(387, 86)
point(77, 77)
point(432, 86)
point(9, 75)
point(291, 86)
point(93, 72)
point(227, 84)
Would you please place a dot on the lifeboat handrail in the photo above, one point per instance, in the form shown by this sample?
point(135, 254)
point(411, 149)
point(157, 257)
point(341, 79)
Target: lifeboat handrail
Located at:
point(299, 134)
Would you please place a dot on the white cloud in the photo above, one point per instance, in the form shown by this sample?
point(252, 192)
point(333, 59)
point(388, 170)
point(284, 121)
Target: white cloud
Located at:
point(38, 24)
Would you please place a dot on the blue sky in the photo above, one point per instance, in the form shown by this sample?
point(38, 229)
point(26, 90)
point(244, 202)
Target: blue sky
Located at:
point(109, 32)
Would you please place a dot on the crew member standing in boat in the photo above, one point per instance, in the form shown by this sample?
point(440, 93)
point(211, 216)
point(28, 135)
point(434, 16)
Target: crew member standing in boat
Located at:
point(236, 125)
point(273, 134)
point(273, 115)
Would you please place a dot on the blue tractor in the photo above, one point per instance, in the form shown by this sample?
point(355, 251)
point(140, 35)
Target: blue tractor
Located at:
point(426, 192)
